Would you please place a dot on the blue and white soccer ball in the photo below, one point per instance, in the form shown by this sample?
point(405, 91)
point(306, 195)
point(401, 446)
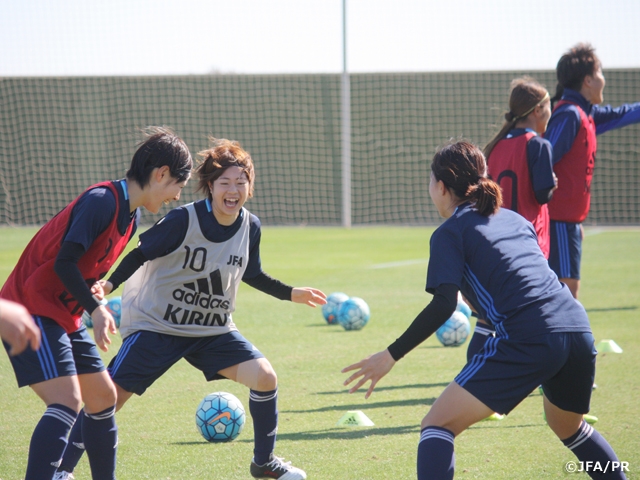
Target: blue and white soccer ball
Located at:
point(86, 316)
point(463, 307)
point(114, 305)
point(330, 309)
point(220, 417)
point(454, 331)
point(353, 314)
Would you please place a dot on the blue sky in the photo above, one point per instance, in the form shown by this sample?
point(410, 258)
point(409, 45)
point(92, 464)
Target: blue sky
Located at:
point(159, 37)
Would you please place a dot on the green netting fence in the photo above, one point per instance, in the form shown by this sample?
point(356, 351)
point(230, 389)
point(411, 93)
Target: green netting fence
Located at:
point(60, 135)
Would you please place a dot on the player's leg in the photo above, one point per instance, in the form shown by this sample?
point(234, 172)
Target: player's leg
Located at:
point(566, 399)
point(259, 376)
point(99, 429)
point(565, 253)
point(73, 452)
point(584, 441)
point(76, 448)
point(130, 373)
point(51, 373)
point(49, 439)
point(232, 356)
point(95, 430)
point(452, 413)
point(573, 284)
point(497, 379)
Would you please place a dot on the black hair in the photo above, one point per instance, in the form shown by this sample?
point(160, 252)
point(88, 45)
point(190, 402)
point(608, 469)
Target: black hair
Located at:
point(577, 63)
point(462, 168)
point(162, 147)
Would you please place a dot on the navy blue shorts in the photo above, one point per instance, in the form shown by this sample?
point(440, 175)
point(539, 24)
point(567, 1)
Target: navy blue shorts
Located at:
point(565, 251)
point(145, 356)
point(59, 355)
point(506, 371)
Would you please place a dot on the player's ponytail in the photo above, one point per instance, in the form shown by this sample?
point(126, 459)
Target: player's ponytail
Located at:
point(462, 168)
point(557, 96)
point(526, 94)
point(487, 196)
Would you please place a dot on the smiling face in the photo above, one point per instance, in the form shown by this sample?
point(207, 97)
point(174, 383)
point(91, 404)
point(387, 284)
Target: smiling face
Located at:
point(229, 193)
point(163, 189)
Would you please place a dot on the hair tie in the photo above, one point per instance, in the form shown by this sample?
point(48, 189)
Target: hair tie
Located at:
point(546, 95)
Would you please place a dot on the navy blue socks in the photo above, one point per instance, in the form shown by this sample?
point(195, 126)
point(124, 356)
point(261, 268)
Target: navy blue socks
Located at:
point(436, 460)
point(48, 441)
point(75, 447)
point(100, 437)
point(264, 412)
point(597, 457)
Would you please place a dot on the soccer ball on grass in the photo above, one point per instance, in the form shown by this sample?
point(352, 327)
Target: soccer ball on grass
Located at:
point(220, 417)
point(454, 331)
point(330, 309)
point(353, 314)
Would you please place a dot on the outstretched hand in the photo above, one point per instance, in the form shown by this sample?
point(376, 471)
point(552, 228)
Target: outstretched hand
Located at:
point(371, 368)
point(309, 296)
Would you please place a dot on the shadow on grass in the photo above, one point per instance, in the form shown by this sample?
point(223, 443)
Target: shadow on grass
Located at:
point(332, 329)
point(368, 405)
point(349, 433)
point(610, 309)
point(338, 433)
point(439, 347)
point(344, 433)
point(394, 387)
point(500, 424)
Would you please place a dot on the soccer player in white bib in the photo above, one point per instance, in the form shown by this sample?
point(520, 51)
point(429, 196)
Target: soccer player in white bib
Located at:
point(180, 292)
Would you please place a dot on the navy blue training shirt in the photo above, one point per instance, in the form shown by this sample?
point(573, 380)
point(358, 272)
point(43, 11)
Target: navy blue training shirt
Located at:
point(94, 211)
point(498, 266)
point(565, 120)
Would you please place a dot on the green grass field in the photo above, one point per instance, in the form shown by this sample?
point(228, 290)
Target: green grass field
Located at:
point(386, 267)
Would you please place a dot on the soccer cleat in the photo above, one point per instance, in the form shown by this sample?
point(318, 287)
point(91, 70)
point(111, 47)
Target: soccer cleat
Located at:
point(62, 475)
point(495, 417)
point(590, 419)
point(277, 468)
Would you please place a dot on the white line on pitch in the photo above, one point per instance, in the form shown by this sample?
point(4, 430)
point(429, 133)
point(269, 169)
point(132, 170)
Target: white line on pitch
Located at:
point(399, 264)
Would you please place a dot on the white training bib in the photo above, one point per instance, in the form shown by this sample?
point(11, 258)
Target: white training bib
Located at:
point(190, 292)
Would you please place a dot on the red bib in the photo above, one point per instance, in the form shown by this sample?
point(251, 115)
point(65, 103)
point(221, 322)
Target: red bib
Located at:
point(571, 201)
point(508, 166)
point(34, 282)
